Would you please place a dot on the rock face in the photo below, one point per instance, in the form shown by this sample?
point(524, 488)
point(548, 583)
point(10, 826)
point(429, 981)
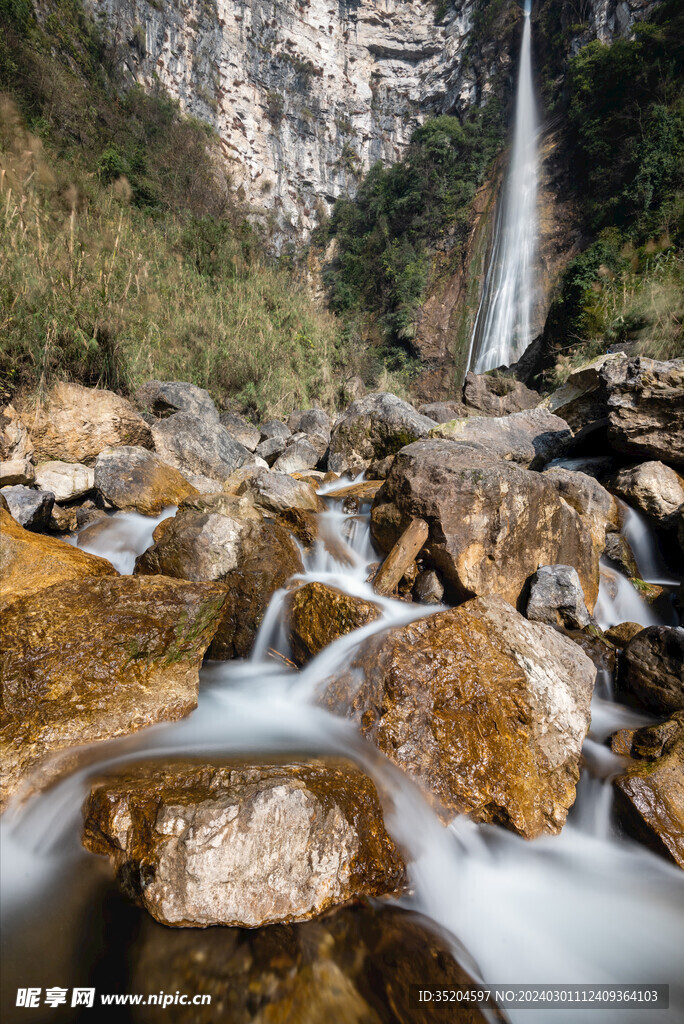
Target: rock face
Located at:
point(651, 790)
point(651, 669)
point(488, 711)
point(646, 407)
point(77, 423)
point(199, 446)
point(165, 398)
point(31, 508)
point(653, 487)
point(30, 562)
point(134, 479)
point(115, 654)
point(66, 480)
point(492, 523)
point(494, 395)
point(373, 427)
point(318, 615)
point(244, 845)
point(556, 598)
point(531, 438)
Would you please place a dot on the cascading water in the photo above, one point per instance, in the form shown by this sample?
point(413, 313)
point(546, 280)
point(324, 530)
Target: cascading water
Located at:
point(503, 324)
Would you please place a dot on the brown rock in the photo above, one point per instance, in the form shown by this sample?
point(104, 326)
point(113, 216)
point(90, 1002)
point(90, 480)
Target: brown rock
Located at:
point(618, 550)
point(401, 557)
point(652, 487)
point(488, 711)
point(133, 479)
point(318, 615)
point(243, 845)
point(77, 423)
point(651, 669)
point(91, 659)
point(621, 634)
point(590, 499)
point(495, 394)
point(15, 442)
point(17, 471)
point(646, 407)
point(275, 492)
point(302, 523)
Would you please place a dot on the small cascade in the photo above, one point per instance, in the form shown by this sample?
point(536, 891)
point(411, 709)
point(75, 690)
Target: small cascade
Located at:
point(503, 324)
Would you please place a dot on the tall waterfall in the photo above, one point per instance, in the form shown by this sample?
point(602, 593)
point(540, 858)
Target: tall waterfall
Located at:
point(502, 326)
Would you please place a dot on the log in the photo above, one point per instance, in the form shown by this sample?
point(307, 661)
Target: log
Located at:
point(400, 557)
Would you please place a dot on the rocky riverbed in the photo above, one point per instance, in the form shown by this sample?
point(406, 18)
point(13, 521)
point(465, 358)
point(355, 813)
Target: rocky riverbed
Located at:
point(427, 645)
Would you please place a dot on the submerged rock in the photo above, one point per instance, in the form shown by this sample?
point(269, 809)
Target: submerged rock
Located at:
point(531, 438)
point(243, 845)
point(651, 669)
point(198, 446)
point(66, 480)
point(115, 654)
point(645, 402)
point(317, 615)
point(163, 398)
point(556, 598)
point(134, 479)
point(373, 427)
point(30, 507)
point(487, 710)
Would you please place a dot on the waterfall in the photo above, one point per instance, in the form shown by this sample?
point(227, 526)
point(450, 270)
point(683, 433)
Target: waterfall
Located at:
point(502, 327)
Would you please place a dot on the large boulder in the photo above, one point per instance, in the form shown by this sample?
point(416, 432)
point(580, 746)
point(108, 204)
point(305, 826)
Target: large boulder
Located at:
point(241, 429)
point(590, 499)
point(15, 442)
point(494, 394)
point(297, 457)
point(30, 562)
point(17, 471)
point(374, 426)
point(30, 507)
point(443, 412)
point(275, 492)
point(654, 488)
point(163, 398)
point(317, 615)
point(198, 446)
point(487, 710)
point(310, 421)
point(531, 438)
point(556, 598)
point(651, 670)
point(133, 479)
point(115, 653)
point(650, 792)
point(66, 480)
point(645, 401)
point(492, 523)
point(75, 424)
point(582, 399)
point(243, 845)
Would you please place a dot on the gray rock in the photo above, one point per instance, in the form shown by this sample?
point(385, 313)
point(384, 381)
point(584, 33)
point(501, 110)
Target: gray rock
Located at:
point(276, 492)
point(270, 448)
point(241, 429)
point(310, 421)
point(531, 438)
point(15, 442)
point(198, 445)
point(618, 550)
point(582, 400)
point(556, 598)
point(31, 508)
point(443, 412)
point(645, 402)
point(163, 398)
point(66, 480)
point(428, 587)
point(274, 428)
point(497, 394)
point(654, 488)
point(651, 669)
point(16, 471)
point(590, 499)
point(374, 426)
point(297, 457)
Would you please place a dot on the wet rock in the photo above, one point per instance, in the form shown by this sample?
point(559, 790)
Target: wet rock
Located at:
point(428, 587)
point(651, 670)
point(163, 398)
point(301, 524)
point(297, 457)
point(595, 645)
point(492, 523)
point(274, 428)
point(358, 965)
point(443, 412)
point(66, 480)
point(241, 429)
point(556, 598)
point(530, 438)
point(650, 792)
point(621, 634)
point(134, 479)
point(116, 653)
point(270, 448)
point(16, 471)
point(63, 520)
point(199, 446)
point(200, 545)
point(317, 615)
point(75, 424)
point(30, 562)
point(276, 492)
point(495, 394)
point(15, 442)
point(598, 508)
point(487, 710)
point(310, 421)
point(243, 845)
point(373, 427)
point(618, 550)
point(31, 508)
point(645, 401)
point(653, 488)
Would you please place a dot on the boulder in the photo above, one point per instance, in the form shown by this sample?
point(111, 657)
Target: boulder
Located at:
point(654, 488)
point(443, 412)
point(492, 523)
point(274, 428)
point(17, 471)
point(650, 792)
point(428, 587)
point(582, 400)
point(75, 424)
point(163, 398)
point(116, 653)
point(200, 545)
point(241, 429)
point(317, 615)
point(270, 448)
point(243, 845)
point(30, 507)
point(495, 394)
point(645, 401)
point(133, 479)
point(15, 442)
point(556, 598)
point(379, 470)
point(597, 507)
point(276, 492)
point(310, 421)
point(301, 523)
point(651, 670)
point(317, 442)
point(30, 562)
point(198, 446)
point(530, 438)
point(623, 632)
point(63, 520)
point(618, 550)
point(486, 710)
point(373, 427)
point(66, 480)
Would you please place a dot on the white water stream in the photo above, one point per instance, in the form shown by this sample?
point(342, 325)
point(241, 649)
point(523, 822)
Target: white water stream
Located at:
point(583, 907)
point(502, 328)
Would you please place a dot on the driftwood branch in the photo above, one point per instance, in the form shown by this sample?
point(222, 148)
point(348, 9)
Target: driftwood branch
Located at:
point(400, 557)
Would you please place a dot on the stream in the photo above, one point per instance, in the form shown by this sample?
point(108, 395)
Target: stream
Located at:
point(586, 906)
